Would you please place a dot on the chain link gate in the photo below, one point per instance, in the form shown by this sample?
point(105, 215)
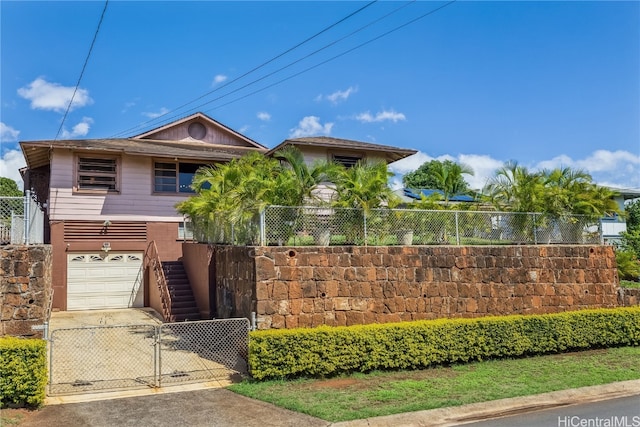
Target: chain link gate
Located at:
point(105, 358)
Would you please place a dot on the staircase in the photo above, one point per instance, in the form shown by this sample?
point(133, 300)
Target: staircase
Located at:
point(183, 303)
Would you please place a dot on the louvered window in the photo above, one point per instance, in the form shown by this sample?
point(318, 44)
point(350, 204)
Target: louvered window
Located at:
point(346, 161)
point(97, 174)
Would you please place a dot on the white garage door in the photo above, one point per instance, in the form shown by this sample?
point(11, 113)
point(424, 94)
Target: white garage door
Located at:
point(104, 280)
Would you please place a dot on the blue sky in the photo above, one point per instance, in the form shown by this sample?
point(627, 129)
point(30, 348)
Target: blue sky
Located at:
point(544, 83)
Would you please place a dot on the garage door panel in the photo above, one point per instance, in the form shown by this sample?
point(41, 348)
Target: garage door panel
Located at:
point(99, 281)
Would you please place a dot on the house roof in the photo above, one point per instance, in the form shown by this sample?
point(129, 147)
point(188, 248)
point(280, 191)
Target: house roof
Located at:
point(203, 117)
point(627, 193)
point(36, 153)
point(415, 194)
point(391, 153)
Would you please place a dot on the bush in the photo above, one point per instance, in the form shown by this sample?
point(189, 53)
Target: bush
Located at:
point(23, 371)
point(326, 351)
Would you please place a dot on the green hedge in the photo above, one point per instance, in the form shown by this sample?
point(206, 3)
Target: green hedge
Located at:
point(326, 351)
point(23, 371)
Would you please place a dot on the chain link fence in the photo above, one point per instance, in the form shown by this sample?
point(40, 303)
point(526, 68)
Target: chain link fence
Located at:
point(21, 221)
point(322, 226)
point(103, 358)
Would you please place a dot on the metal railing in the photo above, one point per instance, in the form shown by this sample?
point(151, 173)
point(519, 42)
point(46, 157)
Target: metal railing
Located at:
point(322, 226)
point(152, 259)
point(21, 221)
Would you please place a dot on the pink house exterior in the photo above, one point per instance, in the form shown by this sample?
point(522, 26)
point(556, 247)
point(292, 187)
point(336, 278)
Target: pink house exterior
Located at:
point(107, 200)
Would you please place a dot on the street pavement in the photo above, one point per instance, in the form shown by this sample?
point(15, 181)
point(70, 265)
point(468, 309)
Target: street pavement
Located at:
point(218, 407)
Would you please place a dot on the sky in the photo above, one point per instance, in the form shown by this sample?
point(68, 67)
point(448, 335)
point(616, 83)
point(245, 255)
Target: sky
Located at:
point(546, 84)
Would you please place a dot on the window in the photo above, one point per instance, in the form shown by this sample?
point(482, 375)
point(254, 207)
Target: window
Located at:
point(97, 174)
point(174, 177)
point(346, 161)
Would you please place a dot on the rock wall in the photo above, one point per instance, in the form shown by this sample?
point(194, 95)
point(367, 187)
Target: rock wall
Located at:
point(345, 285)
point(629, 296)
point(25, 288)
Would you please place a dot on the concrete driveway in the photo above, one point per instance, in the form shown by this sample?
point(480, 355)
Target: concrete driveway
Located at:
point(124, 349)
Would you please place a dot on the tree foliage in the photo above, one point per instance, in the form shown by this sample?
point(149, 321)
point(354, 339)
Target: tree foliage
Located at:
point(446, 176)
point(364, 186)
point(631, 237)
point(9, 188)
point(556, 192)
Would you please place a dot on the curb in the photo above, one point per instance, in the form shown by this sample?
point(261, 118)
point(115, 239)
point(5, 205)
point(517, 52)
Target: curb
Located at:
point(474, 412)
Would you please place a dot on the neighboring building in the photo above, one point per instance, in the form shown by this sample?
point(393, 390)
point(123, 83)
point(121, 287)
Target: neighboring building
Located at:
point(613, 226)
point(106, 200)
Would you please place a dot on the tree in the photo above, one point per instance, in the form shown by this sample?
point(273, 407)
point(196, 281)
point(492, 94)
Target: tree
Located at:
point(446, 176)
point(364, 186)
point(631, 237)
point(515, 188)
point(9, 188)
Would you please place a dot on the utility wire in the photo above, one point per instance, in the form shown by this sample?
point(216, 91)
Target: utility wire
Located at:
point(86, 61)
point(156, 119)
point(292, 63)
point(336, 56)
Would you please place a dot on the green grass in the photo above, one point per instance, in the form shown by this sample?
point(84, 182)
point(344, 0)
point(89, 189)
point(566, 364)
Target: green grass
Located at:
point(384, 393)
point(629, 284)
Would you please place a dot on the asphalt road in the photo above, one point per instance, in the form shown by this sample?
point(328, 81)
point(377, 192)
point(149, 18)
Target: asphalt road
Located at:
point(622, 412)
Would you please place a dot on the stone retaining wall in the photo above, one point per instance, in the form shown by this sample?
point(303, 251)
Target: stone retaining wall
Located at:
point(629, 296)
point(345, 285)
point(25, 286)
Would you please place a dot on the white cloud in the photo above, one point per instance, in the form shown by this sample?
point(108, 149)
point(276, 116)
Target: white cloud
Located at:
point(338, 96)
point(264, 116)
point(80, 129)
point(7, 133)
point(381, 116)
point(310, 126)
point(153, 115)
point(10, 163)
point(53, 96)
point(611, 168)
point(219, 78)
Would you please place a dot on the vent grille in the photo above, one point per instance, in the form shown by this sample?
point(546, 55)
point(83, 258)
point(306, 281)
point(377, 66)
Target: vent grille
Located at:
point(91, 230)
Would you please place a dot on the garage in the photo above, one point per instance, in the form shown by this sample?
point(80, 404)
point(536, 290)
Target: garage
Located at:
point(101, 280)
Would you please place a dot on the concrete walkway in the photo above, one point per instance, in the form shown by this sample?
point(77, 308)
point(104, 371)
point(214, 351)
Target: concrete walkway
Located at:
point(210, 405)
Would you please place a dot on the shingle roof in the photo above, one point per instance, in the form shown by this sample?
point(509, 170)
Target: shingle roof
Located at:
point(392, 153)
point(37, 152)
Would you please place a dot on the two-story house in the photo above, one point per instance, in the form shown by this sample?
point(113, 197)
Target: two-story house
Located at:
point(107, 200)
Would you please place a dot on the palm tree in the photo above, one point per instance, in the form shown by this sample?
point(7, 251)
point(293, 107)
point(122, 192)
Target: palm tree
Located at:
point(364, 186)
point(516, 189)
point(449, 178)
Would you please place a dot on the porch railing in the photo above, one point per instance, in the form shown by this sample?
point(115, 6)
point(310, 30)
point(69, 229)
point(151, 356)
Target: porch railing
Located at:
point(152, 260)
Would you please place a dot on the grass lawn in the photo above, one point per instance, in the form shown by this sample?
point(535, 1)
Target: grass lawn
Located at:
point(629, 284)
point(383, 393)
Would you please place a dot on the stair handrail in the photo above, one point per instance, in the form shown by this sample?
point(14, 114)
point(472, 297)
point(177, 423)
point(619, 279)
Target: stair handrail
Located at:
point(152, 259)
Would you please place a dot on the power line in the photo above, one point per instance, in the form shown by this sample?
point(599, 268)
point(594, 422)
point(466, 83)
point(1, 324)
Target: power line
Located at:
point(86, 61)
point(169, 119)
point(156, 119)
point(336, 56)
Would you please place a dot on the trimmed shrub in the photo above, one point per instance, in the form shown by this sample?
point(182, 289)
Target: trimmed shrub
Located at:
point(326, 351)
point(23, 371)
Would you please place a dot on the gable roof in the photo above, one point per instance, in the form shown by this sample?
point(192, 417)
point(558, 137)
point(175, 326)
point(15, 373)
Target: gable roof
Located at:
point(391, 153)
point(202, 117)
point(36, 153)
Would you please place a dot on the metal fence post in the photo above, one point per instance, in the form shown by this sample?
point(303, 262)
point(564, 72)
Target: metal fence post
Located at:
point(263, 233)
point(457, 230)
point(27, 216)
point(535, 229)
point(364, 214)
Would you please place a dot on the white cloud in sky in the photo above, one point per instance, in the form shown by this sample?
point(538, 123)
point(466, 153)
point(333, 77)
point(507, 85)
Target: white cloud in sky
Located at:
point(45, 95)
point(610, 168)
point(381, 116)
point(153, 115)
point(310, 126)
point(7, 133)
point(338, 96)
point(264, 116)
point(219, 78)
point(10, 163)
point(80, 129)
